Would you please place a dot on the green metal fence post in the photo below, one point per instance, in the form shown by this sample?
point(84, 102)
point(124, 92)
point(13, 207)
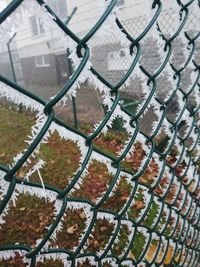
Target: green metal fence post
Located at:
point(11, 58)
point(70, 69)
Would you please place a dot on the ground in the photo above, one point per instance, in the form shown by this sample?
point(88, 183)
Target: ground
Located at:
point(28, 220)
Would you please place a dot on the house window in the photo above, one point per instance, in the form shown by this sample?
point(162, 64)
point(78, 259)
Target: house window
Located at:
point(120, 3)
point(37, 26)
point(42, 61)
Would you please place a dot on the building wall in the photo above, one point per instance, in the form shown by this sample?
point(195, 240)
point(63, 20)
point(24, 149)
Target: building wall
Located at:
point(25, 37)
point(5, 66)
point(39, 75)
point(133, 15)
point(31, 46)
point(54, 74)
point(89, 11)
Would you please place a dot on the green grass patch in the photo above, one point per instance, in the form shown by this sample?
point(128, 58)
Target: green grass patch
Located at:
point(138, 246)
point(27, 222)
point(152, 215)
point(14, 129)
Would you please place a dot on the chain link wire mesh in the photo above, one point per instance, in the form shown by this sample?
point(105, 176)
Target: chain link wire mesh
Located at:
point(168, 85)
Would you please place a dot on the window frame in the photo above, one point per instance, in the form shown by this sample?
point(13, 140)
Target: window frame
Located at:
point(39, 29)
point(43, 64)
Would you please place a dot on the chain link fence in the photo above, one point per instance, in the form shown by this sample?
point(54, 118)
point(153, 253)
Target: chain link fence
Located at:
point(145, 74)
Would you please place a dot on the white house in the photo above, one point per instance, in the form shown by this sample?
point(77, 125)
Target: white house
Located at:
point(43, 58)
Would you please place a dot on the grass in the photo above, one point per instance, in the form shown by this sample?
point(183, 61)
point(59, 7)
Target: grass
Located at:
point(134, 212)
point(29, 219)
point(23, 218)
point(119, 246)
point(14, 127)
point(152, 215)
point(138, 246)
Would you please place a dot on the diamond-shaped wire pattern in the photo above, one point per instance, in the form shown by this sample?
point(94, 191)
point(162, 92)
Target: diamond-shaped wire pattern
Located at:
point(173, 237)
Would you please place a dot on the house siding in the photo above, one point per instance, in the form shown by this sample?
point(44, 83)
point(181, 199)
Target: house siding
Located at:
point(39, 75)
